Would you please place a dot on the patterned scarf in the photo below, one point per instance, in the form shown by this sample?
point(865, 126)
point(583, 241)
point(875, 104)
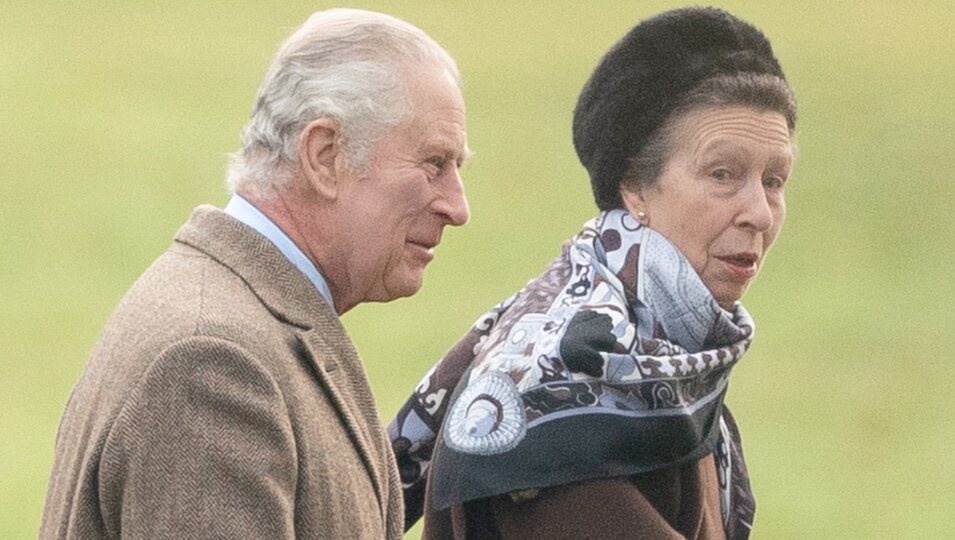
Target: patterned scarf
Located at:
point(612, 362)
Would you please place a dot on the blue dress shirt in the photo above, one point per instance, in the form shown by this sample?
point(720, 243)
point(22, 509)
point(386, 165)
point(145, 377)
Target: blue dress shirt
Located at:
point(243, 211)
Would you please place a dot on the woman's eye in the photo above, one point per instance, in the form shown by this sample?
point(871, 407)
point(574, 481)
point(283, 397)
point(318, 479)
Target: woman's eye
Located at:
point(722, 175)
point(774, 182)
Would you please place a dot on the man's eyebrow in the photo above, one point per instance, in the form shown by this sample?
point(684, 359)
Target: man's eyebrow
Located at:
point(466, 154)
point(459, 156)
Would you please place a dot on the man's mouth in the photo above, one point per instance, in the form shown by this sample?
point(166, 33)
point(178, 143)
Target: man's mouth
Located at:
point(423, 248)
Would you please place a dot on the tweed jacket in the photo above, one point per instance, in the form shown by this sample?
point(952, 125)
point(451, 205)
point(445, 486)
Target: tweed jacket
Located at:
point(223, 400)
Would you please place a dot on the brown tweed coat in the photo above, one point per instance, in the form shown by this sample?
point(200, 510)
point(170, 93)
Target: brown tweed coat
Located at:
point(223, 400)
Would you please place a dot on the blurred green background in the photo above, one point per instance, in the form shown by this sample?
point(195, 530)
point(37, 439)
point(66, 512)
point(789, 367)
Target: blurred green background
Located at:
point(115, 118)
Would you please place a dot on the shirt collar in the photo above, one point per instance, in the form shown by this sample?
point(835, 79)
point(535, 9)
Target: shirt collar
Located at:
point(242, 210)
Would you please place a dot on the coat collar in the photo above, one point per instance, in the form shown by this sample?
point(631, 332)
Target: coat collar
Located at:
point(284, 290)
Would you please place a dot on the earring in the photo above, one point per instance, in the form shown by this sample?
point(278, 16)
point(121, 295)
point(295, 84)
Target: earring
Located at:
point(642, 218)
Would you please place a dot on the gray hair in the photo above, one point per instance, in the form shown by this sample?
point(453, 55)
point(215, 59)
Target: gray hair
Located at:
point(344, 64)
point(760, 91)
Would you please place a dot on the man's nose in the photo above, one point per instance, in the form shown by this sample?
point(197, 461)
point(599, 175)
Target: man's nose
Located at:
point(453, 204)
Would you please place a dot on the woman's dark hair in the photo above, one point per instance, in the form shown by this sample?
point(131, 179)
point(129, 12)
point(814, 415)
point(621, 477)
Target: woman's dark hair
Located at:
point(677, 59)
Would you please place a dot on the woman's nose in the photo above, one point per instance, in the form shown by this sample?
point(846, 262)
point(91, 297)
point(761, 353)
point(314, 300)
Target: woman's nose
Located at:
point(756, 210)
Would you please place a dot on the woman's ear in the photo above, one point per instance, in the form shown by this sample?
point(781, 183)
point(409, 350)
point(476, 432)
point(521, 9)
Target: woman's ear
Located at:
point(319, 150)
point(634, 202)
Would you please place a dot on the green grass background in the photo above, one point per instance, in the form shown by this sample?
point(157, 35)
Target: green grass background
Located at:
point(115, 118)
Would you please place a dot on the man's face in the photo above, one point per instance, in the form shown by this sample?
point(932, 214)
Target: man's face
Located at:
point(392, 218)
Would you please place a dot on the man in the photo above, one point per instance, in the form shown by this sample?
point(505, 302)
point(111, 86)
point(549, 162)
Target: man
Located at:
point(224, 398)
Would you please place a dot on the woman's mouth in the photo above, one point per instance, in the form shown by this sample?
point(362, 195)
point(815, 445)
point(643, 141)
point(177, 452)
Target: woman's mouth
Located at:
point(742, 265)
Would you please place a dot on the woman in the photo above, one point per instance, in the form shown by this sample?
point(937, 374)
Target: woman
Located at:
point(590, 403)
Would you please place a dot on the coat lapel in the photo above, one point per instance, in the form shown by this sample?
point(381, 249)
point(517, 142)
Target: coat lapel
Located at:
point(334, 377)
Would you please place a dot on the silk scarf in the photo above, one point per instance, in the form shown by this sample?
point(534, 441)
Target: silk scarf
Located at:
point(614, 361)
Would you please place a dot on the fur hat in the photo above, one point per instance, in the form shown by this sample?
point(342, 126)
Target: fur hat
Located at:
point(643, 77)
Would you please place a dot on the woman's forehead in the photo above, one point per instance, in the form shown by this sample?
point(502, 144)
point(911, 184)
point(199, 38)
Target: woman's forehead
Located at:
point(726, 128)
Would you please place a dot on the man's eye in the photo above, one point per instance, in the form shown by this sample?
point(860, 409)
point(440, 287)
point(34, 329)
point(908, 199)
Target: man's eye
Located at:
point(436, 165)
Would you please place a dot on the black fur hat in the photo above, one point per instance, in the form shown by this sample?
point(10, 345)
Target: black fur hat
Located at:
point(642, 78)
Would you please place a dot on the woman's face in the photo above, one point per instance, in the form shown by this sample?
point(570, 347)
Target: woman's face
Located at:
point(720, 197)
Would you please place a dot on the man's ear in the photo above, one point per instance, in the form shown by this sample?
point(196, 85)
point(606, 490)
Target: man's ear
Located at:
point(319, 149)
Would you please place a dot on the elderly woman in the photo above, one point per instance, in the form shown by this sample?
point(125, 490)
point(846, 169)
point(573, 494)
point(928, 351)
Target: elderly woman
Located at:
point(590, 403)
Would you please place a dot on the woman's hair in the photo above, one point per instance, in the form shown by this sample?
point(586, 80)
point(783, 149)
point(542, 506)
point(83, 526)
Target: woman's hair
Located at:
point(755, 90)
point(678, 59)
point(347, 65)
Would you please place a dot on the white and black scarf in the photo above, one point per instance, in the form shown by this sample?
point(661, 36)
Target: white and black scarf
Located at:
point(612, 362)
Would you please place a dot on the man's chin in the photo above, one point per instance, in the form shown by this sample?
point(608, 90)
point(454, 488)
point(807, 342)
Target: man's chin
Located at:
point(408, 286)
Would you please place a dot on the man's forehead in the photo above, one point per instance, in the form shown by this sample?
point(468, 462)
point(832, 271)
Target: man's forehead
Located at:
point(446, 137)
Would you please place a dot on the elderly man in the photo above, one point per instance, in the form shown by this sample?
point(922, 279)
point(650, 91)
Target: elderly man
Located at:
point(224, 398)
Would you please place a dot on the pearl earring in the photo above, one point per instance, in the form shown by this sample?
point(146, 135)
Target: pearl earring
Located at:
point(642, 218)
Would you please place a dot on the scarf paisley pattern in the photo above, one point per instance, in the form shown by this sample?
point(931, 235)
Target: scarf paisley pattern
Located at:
point(612, 362)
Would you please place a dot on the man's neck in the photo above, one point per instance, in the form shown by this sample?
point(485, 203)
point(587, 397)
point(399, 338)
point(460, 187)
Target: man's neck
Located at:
point(304, 235)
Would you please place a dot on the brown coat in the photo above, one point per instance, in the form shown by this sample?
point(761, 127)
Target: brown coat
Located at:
point(680, 503)
point(223, 400)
